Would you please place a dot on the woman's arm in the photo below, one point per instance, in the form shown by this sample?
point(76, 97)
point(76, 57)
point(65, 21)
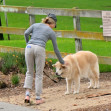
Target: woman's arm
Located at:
point(27, 33)
point(56, 50)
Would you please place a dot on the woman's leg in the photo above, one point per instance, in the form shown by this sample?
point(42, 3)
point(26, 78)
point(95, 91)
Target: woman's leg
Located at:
point(40, 62)
point(29, 57)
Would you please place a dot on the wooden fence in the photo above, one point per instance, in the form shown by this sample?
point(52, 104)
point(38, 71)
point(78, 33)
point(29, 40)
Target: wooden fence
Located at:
point(76, 33)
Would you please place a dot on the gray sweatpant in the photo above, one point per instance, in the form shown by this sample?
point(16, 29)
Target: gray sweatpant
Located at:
point(34, 54)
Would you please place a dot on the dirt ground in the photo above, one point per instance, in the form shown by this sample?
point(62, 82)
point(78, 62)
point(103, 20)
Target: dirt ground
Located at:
point(56, 100)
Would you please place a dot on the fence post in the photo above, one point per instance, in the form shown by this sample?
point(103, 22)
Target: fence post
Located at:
point(78, 42)
point(6, 20)
point(1, 35)
point(32, 19)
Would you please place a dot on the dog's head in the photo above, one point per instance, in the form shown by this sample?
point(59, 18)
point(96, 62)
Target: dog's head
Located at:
point(61, 69)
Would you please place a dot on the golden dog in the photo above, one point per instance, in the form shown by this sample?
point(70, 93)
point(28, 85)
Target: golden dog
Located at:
point(81, 64)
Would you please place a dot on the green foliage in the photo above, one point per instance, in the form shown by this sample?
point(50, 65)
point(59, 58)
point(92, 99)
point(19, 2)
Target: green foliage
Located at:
point(86, 4)
point(13, 62)
point(1, 1)
point(15, 79)
point(49, 62)
point(7, 63)
point(105, 68)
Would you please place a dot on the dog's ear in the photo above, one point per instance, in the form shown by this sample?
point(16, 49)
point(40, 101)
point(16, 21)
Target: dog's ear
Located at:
point(63, 66)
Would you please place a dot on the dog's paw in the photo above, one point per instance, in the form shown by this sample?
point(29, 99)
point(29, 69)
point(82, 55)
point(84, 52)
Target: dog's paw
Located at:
point(76, 92)
point(93, 87)
point(90, 87)
point(66, 93)
point(96, 87)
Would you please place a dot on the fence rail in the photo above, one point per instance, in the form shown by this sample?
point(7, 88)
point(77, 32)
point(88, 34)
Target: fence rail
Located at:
point(57, 11)
point(76, 33)
point(60, 33)
point(50, 54)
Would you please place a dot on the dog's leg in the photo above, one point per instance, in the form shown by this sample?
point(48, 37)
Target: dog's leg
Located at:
point(96, 85)
point(68, 83)
point(77, 84)
point(96, 77)
point(96, 80)
point(91, 83)
point(91, 78)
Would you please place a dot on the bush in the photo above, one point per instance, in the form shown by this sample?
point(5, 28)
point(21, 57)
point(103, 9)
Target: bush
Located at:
point(15, 79)
point(13, 62)
point(7, 63)
point(49, 62)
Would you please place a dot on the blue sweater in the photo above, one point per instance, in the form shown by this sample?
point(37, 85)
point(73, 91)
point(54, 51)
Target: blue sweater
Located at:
point(41, 33)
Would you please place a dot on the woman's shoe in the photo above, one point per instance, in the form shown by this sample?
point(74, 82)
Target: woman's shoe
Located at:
point(27, 99)
point(39, 101)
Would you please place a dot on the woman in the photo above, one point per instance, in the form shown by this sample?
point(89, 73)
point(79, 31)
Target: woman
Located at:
point(35, 53)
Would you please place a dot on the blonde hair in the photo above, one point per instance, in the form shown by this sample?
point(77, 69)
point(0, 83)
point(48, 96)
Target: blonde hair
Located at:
point(48, 20)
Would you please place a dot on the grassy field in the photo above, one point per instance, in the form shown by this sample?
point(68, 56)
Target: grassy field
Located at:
point(82, 4)
point(101, 48)
point(64, 23)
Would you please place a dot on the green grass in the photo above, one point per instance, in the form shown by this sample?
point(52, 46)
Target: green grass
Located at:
point(101, 48)
point(64, 23)
point(15, 79)
point(82, 4)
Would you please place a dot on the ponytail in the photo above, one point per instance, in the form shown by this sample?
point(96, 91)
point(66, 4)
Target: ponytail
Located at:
point(48, 20)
